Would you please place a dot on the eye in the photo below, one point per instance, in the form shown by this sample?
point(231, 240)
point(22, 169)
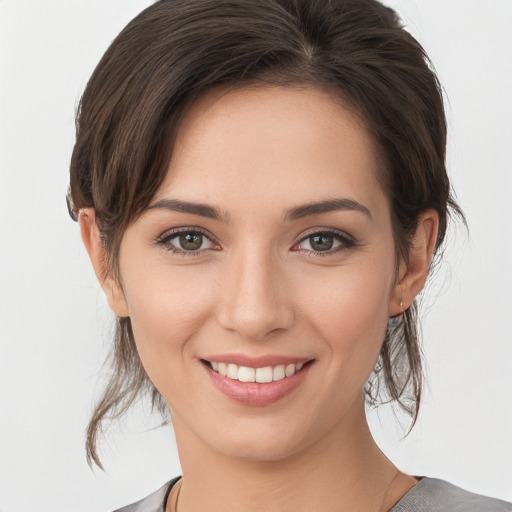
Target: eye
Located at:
point(185, 241)
point(325, 242)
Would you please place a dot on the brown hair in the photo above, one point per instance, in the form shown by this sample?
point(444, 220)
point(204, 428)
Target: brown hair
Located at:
point(175, 51)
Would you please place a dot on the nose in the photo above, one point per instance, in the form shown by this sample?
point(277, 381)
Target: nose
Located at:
point(254, 301)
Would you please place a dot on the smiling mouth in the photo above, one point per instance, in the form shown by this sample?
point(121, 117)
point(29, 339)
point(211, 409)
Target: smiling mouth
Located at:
point(260, 375)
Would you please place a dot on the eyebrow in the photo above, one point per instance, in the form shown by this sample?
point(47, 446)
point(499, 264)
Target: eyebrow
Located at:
point(329, 205)
point(203, 210)
point(298, 212)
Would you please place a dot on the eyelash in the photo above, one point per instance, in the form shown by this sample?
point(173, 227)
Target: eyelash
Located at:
point(165, 240)
point(346, 242)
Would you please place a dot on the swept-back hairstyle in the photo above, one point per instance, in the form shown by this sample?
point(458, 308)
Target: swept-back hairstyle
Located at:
point(175, 51)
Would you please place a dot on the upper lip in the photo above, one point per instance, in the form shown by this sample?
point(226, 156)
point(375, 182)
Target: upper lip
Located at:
point(256, 361)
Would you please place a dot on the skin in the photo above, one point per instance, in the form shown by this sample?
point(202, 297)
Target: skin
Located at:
point(258, 287)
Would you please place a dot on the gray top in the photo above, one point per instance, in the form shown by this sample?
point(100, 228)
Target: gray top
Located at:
point(428, 495)
point(433, 495)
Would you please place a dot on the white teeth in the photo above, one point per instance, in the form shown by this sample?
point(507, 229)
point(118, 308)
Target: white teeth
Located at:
point(232, 371)
point(279, 373)
point(264, 374)
point(290, 370)
point(246, 374)
point(261, 375)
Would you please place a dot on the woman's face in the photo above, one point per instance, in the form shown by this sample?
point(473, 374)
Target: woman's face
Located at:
point(267, 247)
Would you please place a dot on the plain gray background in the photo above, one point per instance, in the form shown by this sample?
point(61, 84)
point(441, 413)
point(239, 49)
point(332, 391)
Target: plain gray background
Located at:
point(55, 326)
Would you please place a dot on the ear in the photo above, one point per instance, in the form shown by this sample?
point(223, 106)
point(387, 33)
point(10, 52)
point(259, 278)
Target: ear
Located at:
point(92, 240)
point(412, 276)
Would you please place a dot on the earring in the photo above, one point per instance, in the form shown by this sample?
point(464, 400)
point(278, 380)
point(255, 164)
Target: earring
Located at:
point(402, 307)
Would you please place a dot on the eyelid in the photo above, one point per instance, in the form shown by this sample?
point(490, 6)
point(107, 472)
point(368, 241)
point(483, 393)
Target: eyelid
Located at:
point(169, 234)
point(347, 241)
point(184, 229)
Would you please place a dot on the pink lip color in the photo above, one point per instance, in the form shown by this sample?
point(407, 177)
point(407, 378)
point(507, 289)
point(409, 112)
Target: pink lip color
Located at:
point(254, 393)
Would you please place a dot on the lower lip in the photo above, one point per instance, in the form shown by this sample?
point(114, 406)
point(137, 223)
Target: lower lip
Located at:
point(254, 393)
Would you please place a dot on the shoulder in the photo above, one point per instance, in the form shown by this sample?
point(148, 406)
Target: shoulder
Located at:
point(155, 502)
point(433, 495)
point(428, 495)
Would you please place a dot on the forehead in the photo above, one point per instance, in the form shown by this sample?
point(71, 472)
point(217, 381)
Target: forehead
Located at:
point(277, 144)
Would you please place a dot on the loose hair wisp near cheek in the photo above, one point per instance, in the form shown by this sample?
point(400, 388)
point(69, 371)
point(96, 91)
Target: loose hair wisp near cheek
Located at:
point(175, 51)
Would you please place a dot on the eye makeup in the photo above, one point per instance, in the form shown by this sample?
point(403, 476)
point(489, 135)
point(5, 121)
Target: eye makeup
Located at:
point(192, 241)
point(187, 241)
point(325, 242)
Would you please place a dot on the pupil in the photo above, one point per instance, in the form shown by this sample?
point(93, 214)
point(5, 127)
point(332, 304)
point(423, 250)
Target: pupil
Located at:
point(322, 242)
point(191, 241)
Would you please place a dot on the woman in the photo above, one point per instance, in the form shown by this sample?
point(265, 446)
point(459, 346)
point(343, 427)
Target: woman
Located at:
point(261, 189)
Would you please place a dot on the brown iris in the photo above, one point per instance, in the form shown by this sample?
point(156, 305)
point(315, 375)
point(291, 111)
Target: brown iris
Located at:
point(321, 242)
point(191, 241)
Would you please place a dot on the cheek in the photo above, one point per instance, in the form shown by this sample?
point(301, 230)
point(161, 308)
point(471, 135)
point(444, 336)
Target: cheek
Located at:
point(350, 315)
point(166, 309)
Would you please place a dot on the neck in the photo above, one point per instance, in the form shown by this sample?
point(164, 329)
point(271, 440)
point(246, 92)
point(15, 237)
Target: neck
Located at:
point(344, 471)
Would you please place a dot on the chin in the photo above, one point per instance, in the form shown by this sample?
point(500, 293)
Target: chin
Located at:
point(257, 451)
point(260, 443)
